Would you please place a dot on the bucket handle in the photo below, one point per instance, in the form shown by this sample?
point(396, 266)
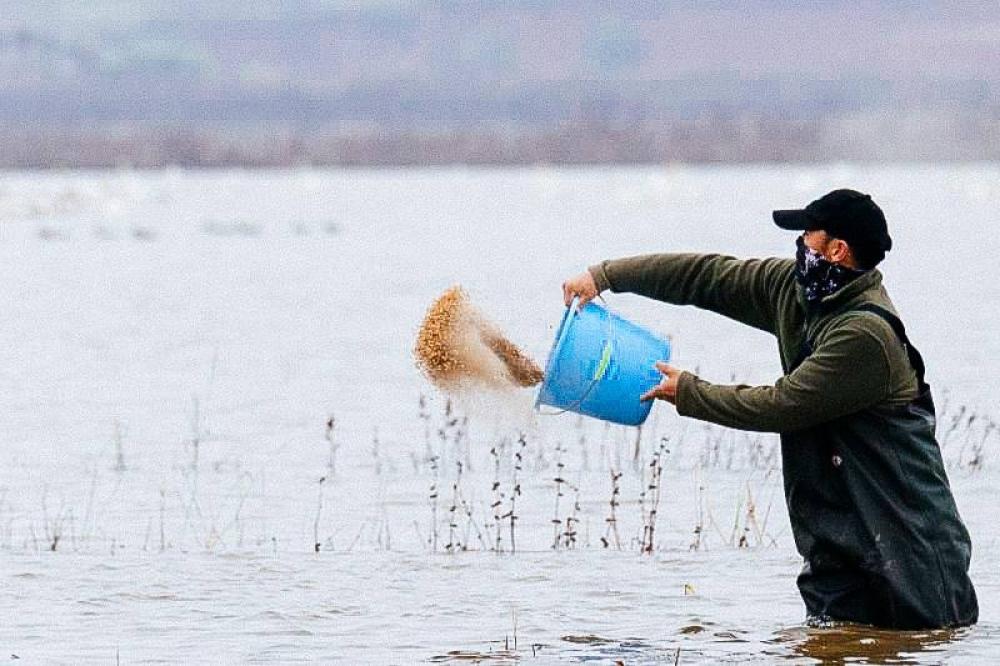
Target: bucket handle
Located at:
point(602, 364)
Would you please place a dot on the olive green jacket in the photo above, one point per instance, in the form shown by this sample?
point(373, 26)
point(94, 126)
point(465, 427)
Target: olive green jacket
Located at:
point(857, 361)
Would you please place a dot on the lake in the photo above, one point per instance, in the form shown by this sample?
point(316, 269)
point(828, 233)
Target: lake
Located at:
point(176, 343)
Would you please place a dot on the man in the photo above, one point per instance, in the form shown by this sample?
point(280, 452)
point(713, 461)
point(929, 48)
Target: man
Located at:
point(868, 498)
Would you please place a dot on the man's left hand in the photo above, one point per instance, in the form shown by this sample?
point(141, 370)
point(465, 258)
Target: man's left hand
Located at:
point(667, 388)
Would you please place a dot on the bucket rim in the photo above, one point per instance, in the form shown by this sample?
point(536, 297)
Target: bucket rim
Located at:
point(557, 343)
point(564, 325)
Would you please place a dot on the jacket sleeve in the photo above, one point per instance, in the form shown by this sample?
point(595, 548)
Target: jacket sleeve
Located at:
point(847, 372)
point(746, 290)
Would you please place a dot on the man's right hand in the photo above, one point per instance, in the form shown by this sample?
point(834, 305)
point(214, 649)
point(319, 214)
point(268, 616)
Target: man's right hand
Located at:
point(582, 285)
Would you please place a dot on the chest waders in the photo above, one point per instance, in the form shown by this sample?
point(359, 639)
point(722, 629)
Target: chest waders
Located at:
point(873, 515)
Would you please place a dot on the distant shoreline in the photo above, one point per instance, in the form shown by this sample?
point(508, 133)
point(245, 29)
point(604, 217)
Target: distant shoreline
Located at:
point(874, 139)
point(479, 166)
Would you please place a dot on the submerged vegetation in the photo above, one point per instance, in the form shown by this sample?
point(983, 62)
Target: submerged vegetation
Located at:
point(675, 484)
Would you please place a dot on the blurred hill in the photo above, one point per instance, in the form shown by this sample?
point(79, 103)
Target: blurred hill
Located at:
point(338, 82)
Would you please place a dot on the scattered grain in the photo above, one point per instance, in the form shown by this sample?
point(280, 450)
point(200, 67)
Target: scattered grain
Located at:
point(458, 346)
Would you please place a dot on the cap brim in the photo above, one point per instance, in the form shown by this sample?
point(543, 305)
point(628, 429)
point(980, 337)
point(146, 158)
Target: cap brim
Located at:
point(794, 220)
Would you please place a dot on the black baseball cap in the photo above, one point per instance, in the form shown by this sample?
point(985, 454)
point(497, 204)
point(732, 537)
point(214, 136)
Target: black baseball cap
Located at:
point(845, 214)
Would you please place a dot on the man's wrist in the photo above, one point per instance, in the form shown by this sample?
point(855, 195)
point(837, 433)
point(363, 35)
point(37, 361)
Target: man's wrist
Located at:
point(685, 385)
point(600, 276)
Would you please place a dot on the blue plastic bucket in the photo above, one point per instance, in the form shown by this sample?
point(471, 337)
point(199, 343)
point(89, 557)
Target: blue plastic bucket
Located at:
point(600, 364)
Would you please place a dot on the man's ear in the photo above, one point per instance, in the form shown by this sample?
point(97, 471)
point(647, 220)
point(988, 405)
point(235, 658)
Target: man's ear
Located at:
point(839, 250)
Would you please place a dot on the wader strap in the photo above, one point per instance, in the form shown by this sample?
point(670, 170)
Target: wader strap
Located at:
point(916, 360)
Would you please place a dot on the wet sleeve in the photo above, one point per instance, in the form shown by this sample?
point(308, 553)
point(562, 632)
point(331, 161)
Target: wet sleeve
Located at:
point(848, 372)
point(746, 290)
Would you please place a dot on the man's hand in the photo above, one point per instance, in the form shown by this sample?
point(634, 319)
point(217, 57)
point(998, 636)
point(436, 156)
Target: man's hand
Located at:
point(667, 388)
point(582, 285)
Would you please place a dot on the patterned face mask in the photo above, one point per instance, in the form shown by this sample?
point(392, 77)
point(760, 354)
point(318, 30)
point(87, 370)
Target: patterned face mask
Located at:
point(818, 276)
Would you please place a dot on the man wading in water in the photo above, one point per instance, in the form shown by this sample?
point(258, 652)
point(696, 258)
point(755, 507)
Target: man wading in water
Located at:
point(868, 498)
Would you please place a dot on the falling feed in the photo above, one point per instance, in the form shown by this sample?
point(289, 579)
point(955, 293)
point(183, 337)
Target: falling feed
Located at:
point(458, 347)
